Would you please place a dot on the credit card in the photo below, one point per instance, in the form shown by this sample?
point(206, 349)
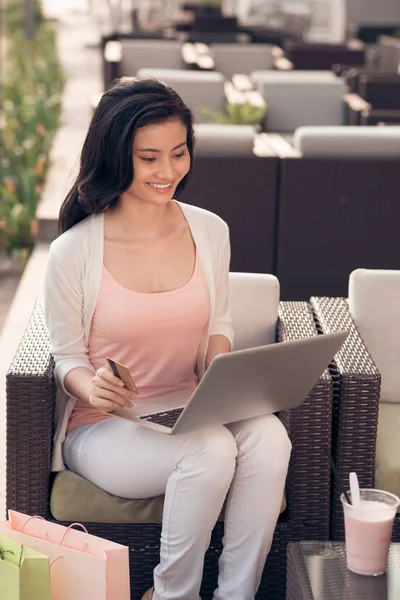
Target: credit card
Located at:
point(124, 374)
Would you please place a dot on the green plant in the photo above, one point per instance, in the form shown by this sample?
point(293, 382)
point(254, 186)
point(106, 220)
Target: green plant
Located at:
point(14, 14)
point(238, 113)
point(32, 87)
point(211, 3)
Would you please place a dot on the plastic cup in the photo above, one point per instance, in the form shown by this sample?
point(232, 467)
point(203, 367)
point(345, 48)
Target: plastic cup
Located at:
point(369, 530)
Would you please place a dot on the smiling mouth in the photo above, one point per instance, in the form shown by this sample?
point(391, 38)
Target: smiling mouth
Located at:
point(161, 187)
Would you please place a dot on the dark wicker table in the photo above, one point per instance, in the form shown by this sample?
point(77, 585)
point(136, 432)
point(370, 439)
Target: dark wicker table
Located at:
point(318, 571)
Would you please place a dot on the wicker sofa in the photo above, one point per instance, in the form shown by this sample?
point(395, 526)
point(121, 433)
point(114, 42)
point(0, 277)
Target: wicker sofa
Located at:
point(30, 408)
point(338, 208)
point(357, 384)
point(366, 379)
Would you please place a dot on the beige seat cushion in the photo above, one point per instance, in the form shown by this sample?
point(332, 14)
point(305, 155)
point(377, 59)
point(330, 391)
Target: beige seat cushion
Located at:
point(387, 466)
point(76, 499)
point(374, 305)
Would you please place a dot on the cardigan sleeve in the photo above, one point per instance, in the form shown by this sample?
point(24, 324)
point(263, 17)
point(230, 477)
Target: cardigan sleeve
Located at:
point(222, 323)
point(63, 300)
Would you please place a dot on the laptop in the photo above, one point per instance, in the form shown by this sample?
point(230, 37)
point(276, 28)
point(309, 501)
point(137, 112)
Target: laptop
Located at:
point(240, 385)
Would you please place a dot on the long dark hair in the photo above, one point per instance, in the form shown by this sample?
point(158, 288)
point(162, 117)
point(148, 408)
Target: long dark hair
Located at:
point(106, 163)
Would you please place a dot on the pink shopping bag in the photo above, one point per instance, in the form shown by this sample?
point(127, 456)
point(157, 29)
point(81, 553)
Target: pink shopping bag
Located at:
point(84, 566)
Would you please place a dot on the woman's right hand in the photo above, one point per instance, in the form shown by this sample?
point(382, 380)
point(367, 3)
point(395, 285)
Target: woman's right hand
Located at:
point(108, 392)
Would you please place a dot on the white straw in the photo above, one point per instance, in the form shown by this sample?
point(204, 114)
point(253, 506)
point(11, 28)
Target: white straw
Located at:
point(354, 489)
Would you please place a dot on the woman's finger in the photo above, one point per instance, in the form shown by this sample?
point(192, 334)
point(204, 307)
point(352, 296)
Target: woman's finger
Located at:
point(103, 384)
point(106, 394)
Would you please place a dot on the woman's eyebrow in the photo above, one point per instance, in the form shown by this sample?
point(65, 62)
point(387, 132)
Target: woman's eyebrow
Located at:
point(154, 150)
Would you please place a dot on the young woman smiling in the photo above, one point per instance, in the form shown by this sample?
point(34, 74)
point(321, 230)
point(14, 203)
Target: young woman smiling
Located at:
point(138, 276)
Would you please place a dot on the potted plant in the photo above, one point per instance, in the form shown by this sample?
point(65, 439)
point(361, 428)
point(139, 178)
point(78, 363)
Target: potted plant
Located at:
point(242, 108)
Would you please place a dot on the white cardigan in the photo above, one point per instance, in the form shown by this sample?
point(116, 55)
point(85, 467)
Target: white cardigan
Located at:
point(71, 288)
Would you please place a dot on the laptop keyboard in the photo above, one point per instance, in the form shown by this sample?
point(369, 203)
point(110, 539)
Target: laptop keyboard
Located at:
point(167, 417)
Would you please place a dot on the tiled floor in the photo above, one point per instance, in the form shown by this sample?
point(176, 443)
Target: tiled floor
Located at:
point(8, 287)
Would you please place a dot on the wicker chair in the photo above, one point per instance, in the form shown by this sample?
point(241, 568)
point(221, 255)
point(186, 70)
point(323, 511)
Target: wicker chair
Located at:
point(30, 408)
point(357, 383)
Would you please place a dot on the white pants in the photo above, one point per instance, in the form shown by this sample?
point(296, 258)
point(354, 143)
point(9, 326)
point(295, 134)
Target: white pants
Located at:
point(246, 460)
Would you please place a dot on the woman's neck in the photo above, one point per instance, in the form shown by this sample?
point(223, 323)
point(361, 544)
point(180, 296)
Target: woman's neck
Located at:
point(140, 219)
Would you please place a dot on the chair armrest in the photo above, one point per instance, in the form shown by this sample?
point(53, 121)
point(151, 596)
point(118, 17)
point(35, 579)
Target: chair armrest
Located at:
point(30, 394)
point(112, 56)
point(355, 102)
point(354, 107)
point(357, 383)
point(310, 428)
point(380, 117)
point(283, 64)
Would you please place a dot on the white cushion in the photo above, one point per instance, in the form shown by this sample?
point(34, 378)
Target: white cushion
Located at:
point(300, 98)
point(387, 460)
point(348, 141)
point(241, 58)
point(137, 54)
point(254, 303)
point(296, 76)
point(197, 89)
point(217, 140)
point(374, 298)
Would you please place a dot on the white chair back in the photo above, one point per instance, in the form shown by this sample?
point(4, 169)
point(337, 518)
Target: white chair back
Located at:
point(230, 59)
point(137, 54)
point(344, 140)
point(374, 297)
point(297, 98)
point(213, 139)
point(254, 303)
point(198, 89)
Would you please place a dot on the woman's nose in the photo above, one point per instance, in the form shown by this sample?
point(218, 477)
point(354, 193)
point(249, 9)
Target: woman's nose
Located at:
point(165, 171)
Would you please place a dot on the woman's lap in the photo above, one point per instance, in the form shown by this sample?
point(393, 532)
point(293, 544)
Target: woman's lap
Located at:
point(132, 461)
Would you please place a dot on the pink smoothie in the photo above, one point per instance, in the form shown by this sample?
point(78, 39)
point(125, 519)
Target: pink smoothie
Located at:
point(368, 536)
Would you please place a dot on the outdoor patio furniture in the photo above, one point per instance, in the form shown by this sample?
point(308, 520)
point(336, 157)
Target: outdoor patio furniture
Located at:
point(242, 58)
point(388, 48)
point(310, 55)
point(357, 391)
point(198, 89)
point(31, 487)
point(124, 57)
point(363, 442)
point(375, 97)
point(240, 186)
point(297, 98)
point(338, 208)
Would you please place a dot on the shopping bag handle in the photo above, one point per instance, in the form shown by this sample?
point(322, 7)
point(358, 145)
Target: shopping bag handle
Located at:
point(70, 527)
point(55, 560)
point(31, 519)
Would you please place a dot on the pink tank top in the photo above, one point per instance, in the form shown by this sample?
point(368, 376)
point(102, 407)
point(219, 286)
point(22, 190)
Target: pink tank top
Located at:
point(157, 336)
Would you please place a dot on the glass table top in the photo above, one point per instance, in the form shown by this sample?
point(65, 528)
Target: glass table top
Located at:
point(330, 579)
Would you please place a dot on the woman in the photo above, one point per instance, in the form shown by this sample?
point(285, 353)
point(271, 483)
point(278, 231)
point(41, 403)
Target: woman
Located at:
point(143, 279)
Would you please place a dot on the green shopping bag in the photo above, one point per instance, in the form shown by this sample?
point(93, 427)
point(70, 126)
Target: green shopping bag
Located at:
point(24, 573)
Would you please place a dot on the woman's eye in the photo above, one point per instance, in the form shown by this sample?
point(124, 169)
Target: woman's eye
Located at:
point(180, 155)
point(148, 160)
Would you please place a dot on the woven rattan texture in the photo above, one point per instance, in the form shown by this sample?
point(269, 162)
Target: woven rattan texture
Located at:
point(30, 407)
point(355, 404)
point(308, 483)
point(30, 391)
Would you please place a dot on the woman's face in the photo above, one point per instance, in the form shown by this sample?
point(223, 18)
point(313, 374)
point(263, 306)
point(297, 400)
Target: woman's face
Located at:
point(160, 161)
